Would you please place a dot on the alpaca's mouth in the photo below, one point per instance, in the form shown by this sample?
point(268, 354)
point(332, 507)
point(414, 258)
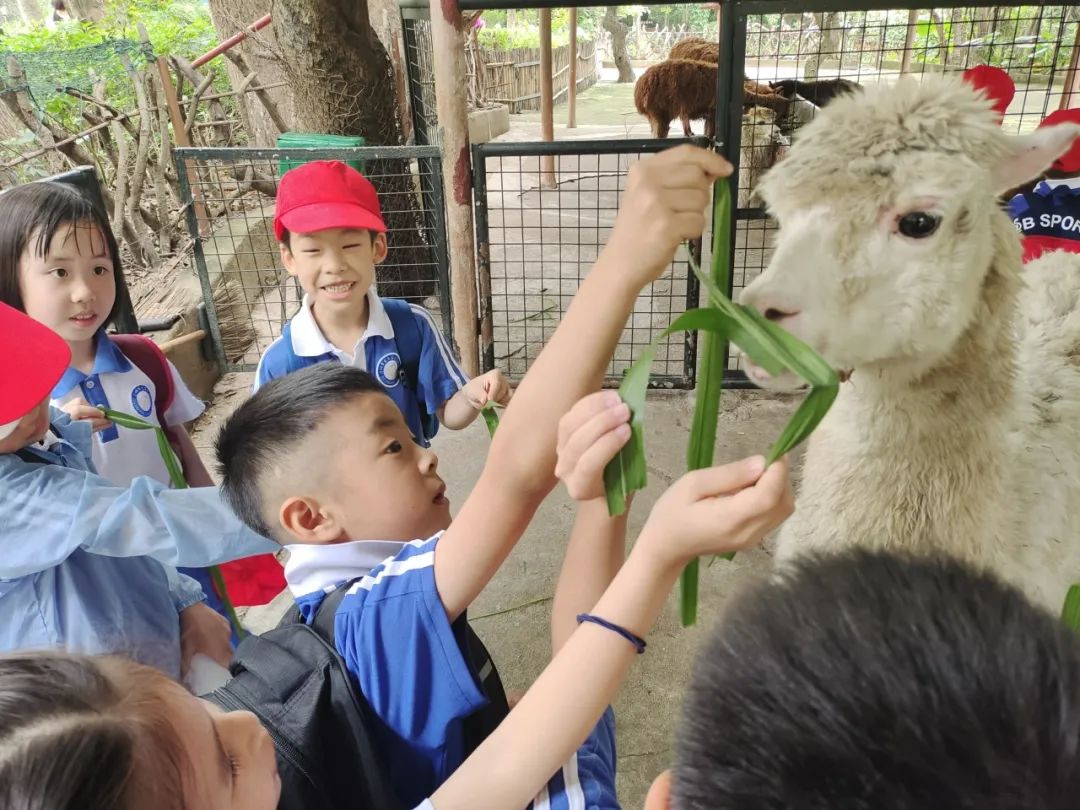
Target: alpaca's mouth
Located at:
point(785, 381)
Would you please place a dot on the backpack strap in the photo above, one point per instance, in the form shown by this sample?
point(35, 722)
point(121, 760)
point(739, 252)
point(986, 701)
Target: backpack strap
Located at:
point(408, 338)
point(323, 624)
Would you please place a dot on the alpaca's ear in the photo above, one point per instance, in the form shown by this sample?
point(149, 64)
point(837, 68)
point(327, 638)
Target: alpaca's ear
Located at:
point(1032, 154)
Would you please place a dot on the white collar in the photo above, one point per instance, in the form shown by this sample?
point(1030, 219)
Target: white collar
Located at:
point(308, 339)
point(313, 568)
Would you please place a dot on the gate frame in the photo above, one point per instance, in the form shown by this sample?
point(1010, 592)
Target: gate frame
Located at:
point(626, 146)
point(428, 157)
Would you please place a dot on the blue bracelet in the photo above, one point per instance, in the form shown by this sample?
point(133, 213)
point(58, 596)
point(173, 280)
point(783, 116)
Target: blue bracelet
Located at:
point(636, 640)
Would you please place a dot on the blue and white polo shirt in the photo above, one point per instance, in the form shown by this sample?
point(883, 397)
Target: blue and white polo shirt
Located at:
point(396, 639)
point(115, 382)
point(439, 376)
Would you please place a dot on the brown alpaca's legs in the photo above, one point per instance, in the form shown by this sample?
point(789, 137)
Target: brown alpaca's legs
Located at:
point(686, 130)
point(710, 124)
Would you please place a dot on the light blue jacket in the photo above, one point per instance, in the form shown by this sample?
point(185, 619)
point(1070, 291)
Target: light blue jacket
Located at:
point(90, 567)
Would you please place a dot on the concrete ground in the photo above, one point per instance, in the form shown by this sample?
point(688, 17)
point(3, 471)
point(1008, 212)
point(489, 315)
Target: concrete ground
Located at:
point(512, 614)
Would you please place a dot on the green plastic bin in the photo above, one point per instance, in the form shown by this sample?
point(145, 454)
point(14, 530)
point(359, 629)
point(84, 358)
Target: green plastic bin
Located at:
point(289, 140)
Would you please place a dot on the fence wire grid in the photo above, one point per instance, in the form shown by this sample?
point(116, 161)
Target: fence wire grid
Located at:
point(229, 197)
point(1035, 44)
point(536, 241)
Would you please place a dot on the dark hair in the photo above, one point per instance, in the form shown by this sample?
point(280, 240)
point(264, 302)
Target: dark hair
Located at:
point(87, 733)
point(45, 207)
point(869, 681)
point(271, 424)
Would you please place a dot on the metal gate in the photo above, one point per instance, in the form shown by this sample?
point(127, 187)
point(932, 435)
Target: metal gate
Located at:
point(228, 197)
point(537, 235)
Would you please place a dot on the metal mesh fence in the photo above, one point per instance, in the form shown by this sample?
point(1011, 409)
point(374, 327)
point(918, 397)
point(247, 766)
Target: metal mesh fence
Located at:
point(1033, 43)
point(536, 242)
point(229, 201)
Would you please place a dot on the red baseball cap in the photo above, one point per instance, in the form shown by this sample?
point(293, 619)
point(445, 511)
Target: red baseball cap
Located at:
point(326, 194)
point(32, 360)
point(995, 82)
point(1070, 161)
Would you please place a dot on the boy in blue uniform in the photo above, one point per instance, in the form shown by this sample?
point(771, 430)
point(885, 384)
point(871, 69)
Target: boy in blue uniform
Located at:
point(325, 463)
point(88, 566)
point(329, 225)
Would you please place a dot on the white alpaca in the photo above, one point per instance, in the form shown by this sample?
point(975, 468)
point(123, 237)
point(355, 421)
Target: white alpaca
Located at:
point(762, 146)
point(959, 430)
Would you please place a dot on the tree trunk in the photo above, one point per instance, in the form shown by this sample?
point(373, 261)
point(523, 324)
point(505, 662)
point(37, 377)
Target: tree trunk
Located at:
point(342, 83)
point(909, 41)
point(86, 9)
point(943, 42)
point(618, 30)
point(260, 56)
point(32, 11)
point(828, 43)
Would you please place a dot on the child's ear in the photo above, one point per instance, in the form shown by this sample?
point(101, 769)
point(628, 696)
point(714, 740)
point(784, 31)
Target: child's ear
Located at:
point(306, 521)
point(287, 258)
point(378, 248)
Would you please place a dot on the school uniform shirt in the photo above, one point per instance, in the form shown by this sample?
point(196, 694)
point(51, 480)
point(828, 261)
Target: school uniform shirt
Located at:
point(438, 376)
point(117, 383)
point(393, 633)
point(85, 565)
point(1048, 217)
point(587, 780)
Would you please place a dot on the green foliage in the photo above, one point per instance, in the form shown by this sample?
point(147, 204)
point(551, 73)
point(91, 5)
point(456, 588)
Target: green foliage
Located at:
point(508, 39)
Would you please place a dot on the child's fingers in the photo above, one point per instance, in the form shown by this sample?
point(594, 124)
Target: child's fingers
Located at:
point(713, 482)
point(589, 468)
point(585, 409)
point(588, 433)
point(705, 160)
point(770, 497)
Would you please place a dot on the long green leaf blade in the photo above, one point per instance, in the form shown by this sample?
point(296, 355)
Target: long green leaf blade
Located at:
point(1070, 614)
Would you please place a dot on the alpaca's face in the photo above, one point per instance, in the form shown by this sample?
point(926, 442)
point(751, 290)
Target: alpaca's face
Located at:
point(887, 207)
point(870, 279)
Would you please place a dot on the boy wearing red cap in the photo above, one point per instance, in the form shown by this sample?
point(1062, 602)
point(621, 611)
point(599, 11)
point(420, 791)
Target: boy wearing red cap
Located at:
point(1048, 216)
point(85, 565)
point(329, 225)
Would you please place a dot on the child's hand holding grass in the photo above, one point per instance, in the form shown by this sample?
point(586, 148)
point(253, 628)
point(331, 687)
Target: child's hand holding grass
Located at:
point(489, 387)
point(663, 206)
point(80, 409)
point(717, 510)
point(590, 435)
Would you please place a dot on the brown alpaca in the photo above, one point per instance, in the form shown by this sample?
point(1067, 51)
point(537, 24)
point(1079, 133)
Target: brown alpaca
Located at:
point(696, 48)
point(677, 88)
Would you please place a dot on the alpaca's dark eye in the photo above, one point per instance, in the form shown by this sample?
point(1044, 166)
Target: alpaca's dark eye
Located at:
point(919, 224)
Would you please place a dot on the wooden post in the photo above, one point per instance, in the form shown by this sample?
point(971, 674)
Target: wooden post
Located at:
point(547, 116)
point(180, 135)
point(448, 52)
point(909, 41)
point(571, 89)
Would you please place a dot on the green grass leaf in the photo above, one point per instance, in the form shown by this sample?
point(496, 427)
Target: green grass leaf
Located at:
point(176, 476)
point(1070, 613)
point(491, 418)
point(766, 344)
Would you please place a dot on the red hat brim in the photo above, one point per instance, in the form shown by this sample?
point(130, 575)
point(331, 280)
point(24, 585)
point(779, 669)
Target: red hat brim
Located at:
point(33, 358)
point(315, 217)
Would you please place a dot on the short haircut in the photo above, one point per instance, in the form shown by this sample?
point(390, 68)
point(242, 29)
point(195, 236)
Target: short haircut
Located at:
point(43, 208)
point(271, 424)
point(870, 681)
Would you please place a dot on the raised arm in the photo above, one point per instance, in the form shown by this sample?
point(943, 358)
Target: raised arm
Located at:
point(710, 511)
point(664, 204)
point(77, 509)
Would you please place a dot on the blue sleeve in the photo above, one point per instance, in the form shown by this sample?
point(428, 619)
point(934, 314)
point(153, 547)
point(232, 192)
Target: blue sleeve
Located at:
point(588, 778)
point(272, 364)
point(1018, 205)
point(440, 377)
point(64, 509)
point(394, 634)
point(186, 591)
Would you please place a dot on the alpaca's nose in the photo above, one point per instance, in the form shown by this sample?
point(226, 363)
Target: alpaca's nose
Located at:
point(779, 315)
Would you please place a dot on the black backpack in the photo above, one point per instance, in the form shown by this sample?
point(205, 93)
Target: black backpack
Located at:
point(293, 679)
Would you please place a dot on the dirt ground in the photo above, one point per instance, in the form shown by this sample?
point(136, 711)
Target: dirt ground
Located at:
point(512, 614)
